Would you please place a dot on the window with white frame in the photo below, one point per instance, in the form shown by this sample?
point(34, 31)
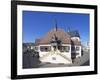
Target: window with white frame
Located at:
point(65, 48)
point(45, 48)
point(77, 48)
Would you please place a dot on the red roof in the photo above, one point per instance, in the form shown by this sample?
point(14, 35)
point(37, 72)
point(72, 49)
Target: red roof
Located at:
point(60, 34)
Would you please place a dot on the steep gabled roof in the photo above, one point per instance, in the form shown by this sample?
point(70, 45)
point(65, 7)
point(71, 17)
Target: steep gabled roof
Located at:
point(64, 37)
point(60, 34)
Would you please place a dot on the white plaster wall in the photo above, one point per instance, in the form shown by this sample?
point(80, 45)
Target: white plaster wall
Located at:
point(41, 54)
point(58, 59)
point(67, 54)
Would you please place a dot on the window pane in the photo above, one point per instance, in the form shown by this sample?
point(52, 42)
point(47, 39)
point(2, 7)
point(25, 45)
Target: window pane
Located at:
point(45, 48)
point(65, 48)
point(77, 48)
point(77, 53)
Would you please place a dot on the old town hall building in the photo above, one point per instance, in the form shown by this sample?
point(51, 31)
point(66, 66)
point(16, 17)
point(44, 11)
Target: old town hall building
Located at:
point(58, 46)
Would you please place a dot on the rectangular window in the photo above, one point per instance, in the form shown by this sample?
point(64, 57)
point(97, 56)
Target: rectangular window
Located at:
point(77, 53)
point(77, 49)
point(45, 48)
point(65, 48)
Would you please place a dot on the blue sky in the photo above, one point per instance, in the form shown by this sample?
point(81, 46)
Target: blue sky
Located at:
point(37, 24)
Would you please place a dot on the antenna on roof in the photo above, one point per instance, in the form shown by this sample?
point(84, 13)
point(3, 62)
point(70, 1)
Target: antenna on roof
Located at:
point(69, 29)
point(56, 24)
